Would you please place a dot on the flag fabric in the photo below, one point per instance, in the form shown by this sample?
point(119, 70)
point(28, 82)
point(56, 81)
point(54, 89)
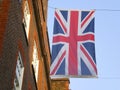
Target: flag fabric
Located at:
point(73, 47)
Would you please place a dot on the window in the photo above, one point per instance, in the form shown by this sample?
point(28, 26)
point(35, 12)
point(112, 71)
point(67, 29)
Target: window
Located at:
point(35, 61)
point(19, 73)
point(26, 19)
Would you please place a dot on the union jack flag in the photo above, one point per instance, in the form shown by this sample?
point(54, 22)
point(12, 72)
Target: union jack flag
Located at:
point(73, 48)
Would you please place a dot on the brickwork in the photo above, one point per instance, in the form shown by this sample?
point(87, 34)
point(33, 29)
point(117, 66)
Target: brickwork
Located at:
point(36, 34)
point(60, 84)
point(4, 7)
point(13, 40)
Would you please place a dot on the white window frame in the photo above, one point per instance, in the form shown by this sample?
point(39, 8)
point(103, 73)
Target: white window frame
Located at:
point(26, 19)
point(35, 61)
point(19, 73)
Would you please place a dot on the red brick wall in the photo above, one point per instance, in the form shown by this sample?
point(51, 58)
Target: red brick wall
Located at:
point(12, 39)
point(60, 84)
point(4, 7)
point(35, 34)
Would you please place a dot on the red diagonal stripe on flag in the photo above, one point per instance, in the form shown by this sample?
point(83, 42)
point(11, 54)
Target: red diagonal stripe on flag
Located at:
point(58, 63)
point(86, 19)
point(88, 58)
point(60, 22)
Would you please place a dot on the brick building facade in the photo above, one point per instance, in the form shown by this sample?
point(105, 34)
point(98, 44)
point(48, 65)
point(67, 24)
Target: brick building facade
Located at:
point(60, 84)
point(35, 16)
point(15, 69)
point(24, 47)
